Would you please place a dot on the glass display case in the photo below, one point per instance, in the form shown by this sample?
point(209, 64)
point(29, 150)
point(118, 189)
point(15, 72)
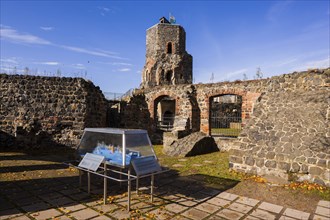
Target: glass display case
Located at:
point(118, 146)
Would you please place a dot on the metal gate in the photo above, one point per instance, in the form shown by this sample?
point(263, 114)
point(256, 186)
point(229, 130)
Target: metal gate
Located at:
point(226, 116)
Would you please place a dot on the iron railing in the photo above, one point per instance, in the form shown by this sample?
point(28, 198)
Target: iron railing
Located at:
point(165, 123)
point(226, 126)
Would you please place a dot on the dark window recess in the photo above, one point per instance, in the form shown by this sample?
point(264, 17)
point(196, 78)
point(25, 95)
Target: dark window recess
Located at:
point(169, 48)
point(169, 76)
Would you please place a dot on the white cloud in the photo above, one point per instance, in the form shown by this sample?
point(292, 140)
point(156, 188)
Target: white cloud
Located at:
point(105, 10)
point(107, 52)
point(79, 66)
point(13, 35)
point(121, 64)
point(12, 60)
point(47, 28)
point(124, 70)
point(50, 63)
point(90, 52)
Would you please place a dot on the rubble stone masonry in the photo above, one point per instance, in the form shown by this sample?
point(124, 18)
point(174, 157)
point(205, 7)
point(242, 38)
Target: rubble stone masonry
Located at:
point(288, 134)
point(40, 111)
point(285, 120)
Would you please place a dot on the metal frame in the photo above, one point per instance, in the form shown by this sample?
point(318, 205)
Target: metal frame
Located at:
point(105, 176)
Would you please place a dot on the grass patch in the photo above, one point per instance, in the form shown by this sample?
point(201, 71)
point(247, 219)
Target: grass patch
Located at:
point(228, 132)
point(213, 166)
point(213, 169)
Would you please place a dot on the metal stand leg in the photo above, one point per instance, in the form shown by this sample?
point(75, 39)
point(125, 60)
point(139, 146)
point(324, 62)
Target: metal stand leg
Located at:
point(137, 185)
point(152, 188)
point(105, 186)
point(129, 190)
point(89, 182)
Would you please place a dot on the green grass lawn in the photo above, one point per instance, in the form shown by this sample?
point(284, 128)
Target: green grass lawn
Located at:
point(212, 167)
point(228, 132)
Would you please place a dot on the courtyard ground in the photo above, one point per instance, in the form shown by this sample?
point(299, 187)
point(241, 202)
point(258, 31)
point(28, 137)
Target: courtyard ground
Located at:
point(201, 187)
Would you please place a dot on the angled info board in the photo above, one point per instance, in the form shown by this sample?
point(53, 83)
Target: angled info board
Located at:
point(91, 161)
point(145, 165)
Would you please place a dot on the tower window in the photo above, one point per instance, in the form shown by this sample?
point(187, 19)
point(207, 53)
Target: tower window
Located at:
point(169, 48)
point(168, 76)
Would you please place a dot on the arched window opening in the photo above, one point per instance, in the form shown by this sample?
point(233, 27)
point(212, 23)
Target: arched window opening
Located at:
point(226, 115)
point(168, 76)
point(165, 113)
point(169, 48)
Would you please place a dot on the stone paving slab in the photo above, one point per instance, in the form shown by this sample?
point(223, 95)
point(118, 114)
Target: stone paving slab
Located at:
point(324, 203)
point(270, 207)
point(22, 217)
point(230, 214)
point(319, 217)
point(10, 213)
point(187, 202)
point(50, 213)
point(259, 213)
point(102, 217)
point(84, 214)
point(240, 207)
point(247, 201)
point(175, 208)
point(209, 208)
point(251, 218)
point(322, 211)
point(218, 202)
point(195, 214)
point(296, 214)
point(72, 207)
point(227, 196)
point(286, 218)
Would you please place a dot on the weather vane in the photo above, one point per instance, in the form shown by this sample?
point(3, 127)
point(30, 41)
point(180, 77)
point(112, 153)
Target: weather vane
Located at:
point(172, 19)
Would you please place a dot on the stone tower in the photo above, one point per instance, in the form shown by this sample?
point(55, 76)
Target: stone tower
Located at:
point(167, 61)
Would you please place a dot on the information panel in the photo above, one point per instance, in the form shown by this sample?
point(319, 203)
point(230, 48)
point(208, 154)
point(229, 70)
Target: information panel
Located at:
point(91, 161)
point(146, 165)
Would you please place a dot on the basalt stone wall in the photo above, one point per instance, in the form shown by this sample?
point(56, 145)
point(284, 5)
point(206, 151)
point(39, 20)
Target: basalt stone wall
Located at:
point(288, 134)
point(285, 121)
point(47, 111)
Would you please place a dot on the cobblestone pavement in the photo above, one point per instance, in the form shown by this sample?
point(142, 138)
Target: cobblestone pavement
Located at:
point(175, 198)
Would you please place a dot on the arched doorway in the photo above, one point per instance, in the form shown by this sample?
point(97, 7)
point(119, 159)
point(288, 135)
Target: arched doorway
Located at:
point(226, 115)
point(164, 113)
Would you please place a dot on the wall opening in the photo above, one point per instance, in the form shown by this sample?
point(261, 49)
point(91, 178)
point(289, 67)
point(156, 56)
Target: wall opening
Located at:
point(169, 48)
point(168, 77)
point(226, 115)
point(164, 113)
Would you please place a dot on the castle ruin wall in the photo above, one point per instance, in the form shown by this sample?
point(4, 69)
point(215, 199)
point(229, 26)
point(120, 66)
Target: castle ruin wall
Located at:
point(40, 111)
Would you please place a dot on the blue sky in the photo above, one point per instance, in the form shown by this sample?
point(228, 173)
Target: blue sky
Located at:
point(104, 41)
